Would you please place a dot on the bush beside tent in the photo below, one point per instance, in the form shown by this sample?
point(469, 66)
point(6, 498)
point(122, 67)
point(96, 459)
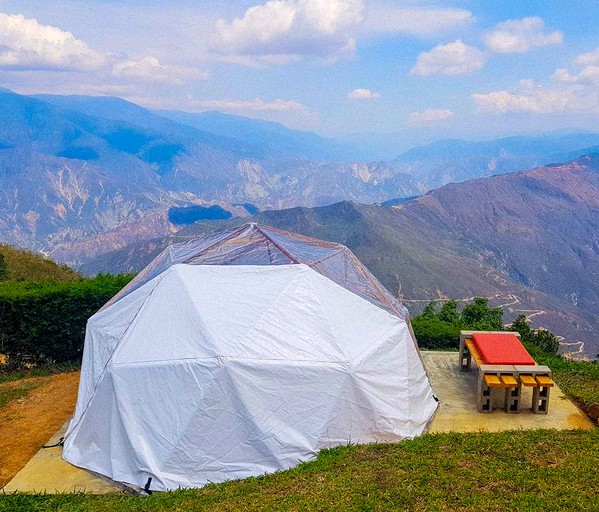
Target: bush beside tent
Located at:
point(43, 322)
point(439, 328)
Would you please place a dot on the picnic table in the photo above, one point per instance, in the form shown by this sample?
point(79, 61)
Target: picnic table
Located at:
point(504, 363)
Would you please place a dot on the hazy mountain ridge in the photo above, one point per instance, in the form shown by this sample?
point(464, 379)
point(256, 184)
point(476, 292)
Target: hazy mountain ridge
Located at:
point(83, 177)
point(529, 239)
point(288, 142)
point(448, 161)
point(77, 167)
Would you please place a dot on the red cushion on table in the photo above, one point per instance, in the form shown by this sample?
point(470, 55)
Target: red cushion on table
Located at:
point(501, 348)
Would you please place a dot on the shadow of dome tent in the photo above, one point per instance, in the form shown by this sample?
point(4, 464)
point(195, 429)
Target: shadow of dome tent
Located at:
point(205, 372)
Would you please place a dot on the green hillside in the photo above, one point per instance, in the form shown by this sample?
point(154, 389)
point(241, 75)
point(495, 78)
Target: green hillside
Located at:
point(21, 265)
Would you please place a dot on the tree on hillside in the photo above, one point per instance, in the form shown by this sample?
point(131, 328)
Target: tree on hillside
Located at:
point(430, 310)
point(449, 312)
point(440, 329)
point(3, 268)
point(542, 338)
point(521, 326)
point(479, 315)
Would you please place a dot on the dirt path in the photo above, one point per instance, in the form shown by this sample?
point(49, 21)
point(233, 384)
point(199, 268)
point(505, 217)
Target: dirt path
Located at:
point(27, 423)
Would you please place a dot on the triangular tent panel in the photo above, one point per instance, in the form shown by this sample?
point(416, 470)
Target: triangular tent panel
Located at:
point(209, 372)
point(253, 244)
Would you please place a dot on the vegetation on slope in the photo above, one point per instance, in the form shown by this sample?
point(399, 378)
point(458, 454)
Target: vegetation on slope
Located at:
point(43, 322)
point(439, 329)
point(21, 265)
point(578, 379)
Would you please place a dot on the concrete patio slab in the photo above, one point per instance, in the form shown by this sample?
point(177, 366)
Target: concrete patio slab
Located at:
point(48, 472)
point(457, 412)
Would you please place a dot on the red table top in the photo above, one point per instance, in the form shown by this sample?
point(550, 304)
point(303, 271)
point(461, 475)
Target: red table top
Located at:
point(501, 348)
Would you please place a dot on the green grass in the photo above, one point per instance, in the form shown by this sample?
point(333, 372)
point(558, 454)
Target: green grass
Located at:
point(25, 265)
point(523, 470)
point(534, 470)
point(578, 379)
point(14, 393)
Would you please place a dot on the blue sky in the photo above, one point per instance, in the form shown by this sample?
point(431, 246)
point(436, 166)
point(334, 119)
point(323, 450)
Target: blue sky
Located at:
point(416, 68)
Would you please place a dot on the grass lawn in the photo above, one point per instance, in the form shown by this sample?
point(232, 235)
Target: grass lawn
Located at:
point(577, 379)
point(523, 470)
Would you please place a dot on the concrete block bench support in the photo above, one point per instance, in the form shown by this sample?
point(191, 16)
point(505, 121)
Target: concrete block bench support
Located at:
point(539, 378)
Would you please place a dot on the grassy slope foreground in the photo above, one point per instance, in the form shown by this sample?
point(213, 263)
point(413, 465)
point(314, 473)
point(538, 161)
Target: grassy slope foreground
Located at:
point(520, 470)
point(524, 470)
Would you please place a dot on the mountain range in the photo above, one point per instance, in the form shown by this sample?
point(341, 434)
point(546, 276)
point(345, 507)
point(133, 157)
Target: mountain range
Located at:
point(528, 240)
point(99, 182)
point(75, 167)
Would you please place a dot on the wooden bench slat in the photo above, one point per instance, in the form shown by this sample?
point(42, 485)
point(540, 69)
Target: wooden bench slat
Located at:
point(492, 381)
point(474, 352)
point(528, 380)
point(545, 381)
point(508, 381)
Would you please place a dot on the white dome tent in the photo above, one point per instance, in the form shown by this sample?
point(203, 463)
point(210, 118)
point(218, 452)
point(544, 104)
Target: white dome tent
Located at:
point(202, 373)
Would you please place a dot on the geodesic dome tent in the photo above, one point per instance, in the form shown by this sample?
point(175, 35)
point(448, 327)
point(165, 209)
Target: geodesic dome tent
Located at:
point(206, 372)
point(253, 244)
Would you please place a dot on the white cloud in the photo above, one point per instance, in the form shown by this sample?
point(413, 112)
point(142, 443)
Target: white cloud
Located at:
point(587, 59)
point(257, 105)
point(27, 44)
point(539, 100)
point(415, 21)
point(566, 92)
point(521, 36)
point(454, 58)
point(362, 94)
point(149, 69)
point(430, 116)
point(589, 75)
point(291, 28)
point(564, 76)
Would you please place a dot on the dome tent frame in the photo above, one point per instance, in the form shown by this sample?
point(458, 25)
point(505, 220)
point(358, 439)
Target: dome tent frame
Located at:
point(254, 244)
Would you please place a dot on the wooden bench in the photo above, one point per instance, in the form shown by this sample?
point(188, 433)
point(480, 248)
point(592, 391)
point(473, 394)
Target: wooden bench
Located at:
point(473, 351)
point(491, 377)
point(509, 377)
point(529, 381)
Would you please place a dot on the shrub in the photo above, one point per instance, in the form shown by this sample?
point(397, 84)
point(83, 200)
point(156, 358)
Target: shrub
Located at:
point(541, 338)
point(44, 321)
point(449, 312)
point(440, 329)
point(435, 334)
point(479, 316)
point(3, 268)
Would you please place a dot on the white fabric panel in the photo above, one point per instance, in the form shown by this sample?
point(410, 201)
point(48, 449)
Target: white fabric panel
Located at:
point(354, 322)
point(209, 373)
point(103, 333)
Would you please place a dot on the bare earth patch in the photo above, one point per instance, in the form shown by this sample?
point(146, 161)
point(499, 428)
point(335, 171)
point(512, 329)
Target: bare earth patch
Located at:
point(27, 423)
